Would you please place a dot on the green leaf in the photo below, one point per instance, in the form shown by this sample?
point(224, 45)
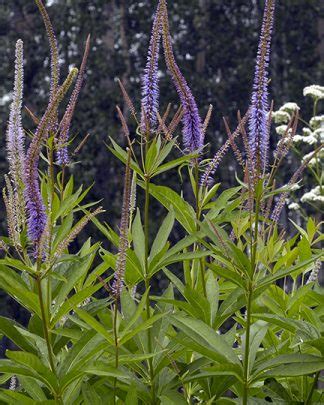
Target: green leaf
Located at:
point(97, 326)
point(162, 235)
point(257, 333)
point(143, 326)
point(306, 331)
point(131, 397)
point(289, 365)
point(212, 293)
point(121, 154)
point(300, 267)
point(174, 280)
point(205, 336)
point(221, 202)
point(32, 362)
point(72, 303)
point(139, 238)
point(218, 370)
point(172, 398)
point(90, 395)
point(151, 155)
point(8, 328)
point(139, 311)
point(75, 272)
point(32, 387)
point(13, 284)
point(17, 265)
point(227, 274)
point(174, 163)
point(184, 212)
point(85, 350)
point(101, 369)
point(14, 398)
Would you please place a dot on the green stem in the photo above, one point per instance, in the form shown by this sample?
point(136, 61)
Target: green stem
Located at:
point(147, 282)
point(249, 301)
point(45, 324)
point(198, 214)
point(116, 344)
point(311, 392)
point(57, 396)
point(247, 344)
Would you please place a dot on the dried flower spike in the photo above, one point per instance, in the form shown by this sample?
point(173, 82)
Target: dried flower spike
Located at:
point(193, 135)
point(55, 67)
point(62, 152)
point(206, 178)
point(75, 232)
point(258, 123)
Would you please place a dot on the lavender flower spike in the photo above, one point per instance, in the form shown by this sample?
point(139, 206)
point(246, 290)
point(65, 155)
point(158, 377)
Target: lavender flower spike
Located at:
point(150, 89)
point(35, 205)
point(62, 152)
point(15, 133)
point(193, 135)
point(258, 122)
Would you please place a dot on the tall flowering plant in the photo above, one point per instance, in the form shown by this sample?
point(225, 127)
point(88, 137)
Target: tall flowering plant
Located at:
point(239, 320)
point(41, 216)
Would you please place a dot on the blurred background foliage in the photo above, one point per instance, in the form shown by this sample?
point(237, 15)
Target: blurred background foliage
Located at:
point(215, 43)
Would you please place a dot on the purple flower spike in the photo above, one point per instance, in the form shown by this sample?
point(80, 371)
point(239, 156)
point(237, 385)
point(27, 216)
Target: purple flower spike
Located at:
point(36, 209)
point(193, 135)
point(258, 122)
point(150, 88)
point(62, 152)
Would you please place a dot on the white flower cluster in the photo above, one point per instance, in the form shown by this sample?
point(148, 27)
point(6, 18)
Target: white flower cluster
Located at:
point(311, 140)
point(289, 108)
point(315, 195)
point(294, 206)
point(313, 277)
point(317, 121)
point(312, 136)
point(281, 129)
point(315, 160)
point(280, 117)
point(315, 91)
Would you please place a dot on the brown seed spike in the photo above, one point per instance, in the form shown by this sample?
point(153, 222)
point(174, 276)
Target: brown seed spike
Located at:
point(128, 100)
point(207, 118)
point(32, 116)
point(236, 151)
point(55, 67)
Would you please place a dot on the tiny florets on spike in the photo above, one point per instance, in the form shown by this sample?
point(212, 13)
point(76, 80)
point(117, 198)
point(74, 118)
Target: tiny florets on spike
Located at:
point(62, 152)
point(35, 205)
point(206, 178)
point(118, 282)
point(258, 123)
point(282, 200)
point(16, 136)
point(313, 277)
point(193, 135)
point(150, 88)
point(55, 67)
point(75, 232)
point(11, 211)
